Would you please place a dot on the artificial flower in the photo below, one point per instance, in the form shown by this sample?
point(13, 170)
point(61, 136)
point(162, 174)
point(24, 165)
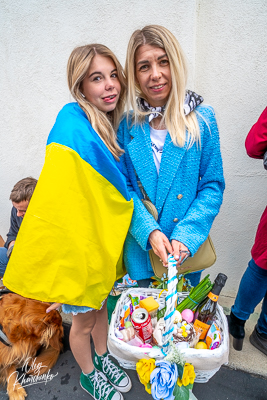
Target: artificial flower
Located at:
point(144, 368)
point(163, 379)
point(188, 375)
point(175, 356)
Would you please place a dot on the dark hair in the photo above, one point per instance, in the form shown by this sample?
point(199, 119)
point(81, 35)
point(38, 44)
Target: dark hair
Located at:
point(23, 190)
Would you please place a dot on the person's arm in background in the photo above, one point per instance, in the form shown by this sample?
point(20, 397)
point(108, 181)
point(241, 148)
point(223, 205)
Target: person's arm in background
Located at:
point(14, 228)
point(256, 141)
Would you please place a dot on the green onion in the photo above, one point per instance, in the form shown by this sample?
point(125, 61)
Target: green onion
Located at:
point(196, 295)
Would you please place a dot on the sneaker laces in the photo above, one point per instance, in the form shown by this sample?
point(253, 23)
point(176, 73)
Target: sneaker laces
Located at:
point(112, 369)
point(103, 387)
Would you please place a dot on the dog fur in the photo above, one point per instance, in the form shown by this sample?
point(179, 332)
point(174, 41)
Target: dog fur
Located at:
point(31, 331)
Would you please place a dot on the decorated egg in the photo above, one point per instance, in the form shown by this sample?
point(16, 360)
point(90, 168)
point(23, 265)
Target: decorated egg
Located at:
point(146, 345)
point(188, 315)
point(201, 345)
point(188, 327)
point(177, 317)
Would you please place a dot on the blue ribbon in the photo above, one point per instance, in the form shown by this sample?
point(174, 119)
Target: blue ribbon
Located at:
point(169, 315)
point(172, 279)
point(170, 331)
point(171, 259)
point(170, 295)
point(192, 300)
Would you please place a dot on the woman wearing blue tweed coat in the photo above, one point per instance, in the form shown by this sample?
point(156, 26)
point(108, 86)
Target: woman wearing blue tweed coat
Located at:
point(173, 150)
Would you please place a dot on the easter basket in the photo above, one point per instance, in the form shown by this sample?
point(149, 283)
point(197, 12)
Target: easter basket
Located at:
point(205, 362)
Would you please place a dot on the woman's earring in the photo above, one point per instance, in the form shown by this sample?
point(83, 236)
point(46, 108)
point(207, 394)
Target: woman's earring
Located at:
point(82, 95)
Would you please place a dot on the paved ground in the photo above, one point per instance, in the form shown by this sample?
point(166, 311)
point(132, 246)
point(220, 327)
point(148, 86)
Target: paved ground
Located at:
point(249, 359)
point(226, 384)
point(242, 381)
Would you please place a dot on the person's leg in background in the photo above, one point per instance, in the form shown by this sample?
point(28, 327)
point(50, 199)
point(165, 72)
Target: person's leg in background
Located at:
point(262, 321)
point(258, 338)
point(252, 290)
point(3, 261)
point(144, 283)
point(194, 277)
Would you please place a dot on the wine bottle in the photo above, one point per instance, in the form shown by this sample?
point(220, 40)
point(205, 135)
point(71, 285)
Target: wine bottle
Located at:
point(205, 311)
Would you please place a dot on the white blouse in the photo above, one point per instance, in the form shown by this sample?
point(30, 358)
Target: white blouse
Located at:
point(157, 142)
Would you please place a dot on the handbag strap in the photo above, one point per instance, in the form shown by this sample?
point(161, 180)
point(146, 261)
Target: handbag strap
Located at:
point(141, 187)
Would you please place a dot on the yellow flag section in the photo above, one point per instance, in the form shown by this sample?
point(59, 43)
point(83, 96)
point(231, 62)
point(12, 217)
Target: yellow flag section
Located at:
point(69, 247)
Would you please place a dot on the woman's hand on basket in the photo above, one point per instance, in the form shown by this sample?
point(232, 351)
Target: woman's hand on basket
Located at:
point(179, 251)
point(160, 245)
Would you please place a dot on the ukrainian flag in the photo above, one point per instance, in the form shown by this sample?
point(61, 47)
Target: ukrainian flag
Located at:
point(69, 246)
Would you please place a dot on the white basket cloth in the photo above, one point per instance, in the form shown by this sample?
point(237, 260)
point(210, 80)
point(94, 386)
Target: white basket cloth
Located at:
point(205, 362)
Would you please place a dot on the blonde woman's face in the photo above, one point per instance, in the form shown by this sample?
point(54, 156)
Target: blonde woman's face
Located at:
point(101, 85)
point(152, 72)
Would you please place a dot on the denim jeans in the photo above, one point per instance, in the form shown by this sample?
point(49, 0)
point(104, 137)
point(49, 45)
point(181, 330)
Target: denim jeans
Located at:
point(193, 276)
point(3, 261)
point(252, 289)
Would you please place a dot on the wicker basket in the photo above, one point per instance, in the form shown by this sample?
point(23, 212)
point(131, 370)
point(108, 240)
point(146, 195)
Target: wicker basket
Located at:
point(206, 362)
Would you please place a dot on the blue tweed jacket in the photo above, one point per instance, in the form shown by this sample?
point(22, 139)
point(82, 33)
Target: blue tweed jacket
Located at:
point(187, 192)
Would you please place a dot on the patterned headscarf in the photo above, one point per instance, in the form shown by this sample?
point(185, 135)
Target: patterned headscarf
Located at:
point(192, 100)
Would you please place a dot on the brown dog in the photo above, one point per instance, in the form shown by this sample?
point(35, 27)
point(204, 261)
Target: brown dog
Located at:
point(35, 341)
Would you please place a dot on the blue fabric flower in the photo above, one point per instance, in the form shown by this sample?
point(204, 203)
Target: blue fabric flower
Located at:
point(163, 379)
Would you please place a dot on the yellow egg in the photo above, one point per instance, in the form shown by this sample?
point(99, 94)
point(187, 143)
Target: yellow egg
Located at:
point(184, 334)
point(201, 345)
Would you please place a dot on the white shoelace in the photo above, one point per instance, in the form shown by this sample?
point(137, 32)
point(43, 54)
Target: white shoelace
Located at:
point(112, 369)
point(102, 386)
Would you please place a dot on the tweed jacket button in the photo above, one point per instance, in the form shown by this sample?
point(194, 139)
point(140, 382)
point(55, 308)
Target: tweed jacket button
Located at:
point(175, 220)
point(179, 196)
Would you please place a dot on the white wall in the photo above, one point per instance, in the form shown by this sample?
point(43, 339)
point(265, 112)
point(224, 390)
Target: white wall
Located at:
point(231, 74)
point(225, 43)
point(37, 37)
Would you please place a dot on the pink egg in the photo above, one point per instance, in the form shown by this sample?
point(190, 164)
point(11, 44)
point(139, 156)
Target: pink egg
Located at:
point(187, 315)
point(146, 345)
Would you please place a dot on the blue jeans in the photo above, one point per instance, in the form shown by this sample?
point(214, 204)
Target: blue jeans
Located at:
point(3, 261)
point(194, 279)
point(252, 289)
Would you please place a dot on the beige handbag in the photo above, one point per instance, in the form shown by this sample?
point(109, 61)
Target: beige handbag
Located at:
point(204, 258)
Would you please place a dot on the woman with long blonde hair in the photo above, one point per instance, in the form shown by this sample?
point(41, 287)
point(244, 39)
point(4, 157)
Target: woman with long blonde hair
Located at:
point(172, 155)
point(71, 241)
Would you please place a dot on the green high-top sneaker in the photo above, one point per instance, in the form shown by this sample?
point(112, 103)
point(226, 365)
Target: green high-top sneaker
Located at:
point(98, 387)
point(115, 375)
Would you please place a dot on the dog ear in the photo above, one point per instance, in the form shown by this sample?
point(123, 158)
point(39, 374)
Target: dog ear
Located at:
point(53, 333)
point(55, 341)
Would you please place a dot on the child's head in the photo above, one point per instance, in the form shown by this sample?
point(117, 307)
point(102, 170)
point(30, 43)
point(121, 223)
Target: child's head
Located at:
point(96, 81)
